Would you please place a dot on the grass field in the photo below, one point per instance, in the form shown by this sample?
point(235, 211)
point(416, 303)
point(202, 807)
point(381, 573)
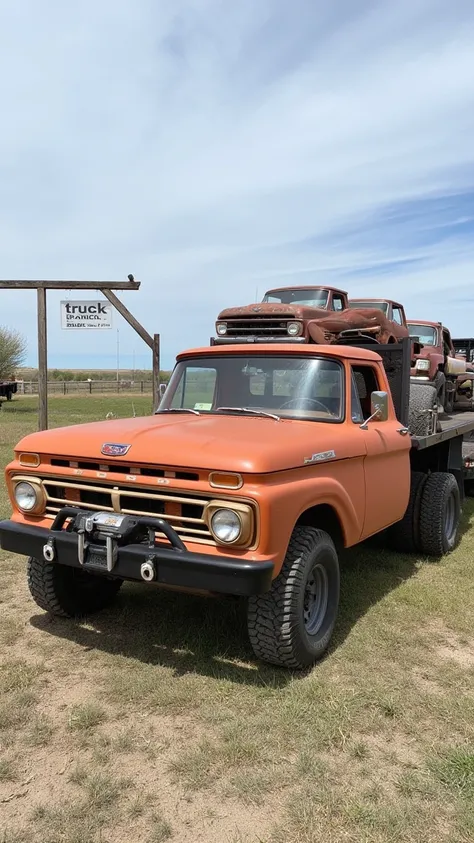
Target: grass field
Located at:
point(152, 721)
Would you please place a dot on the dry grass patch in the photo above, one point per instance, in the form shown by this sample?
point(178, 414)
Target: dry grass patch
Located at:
point(84, 717)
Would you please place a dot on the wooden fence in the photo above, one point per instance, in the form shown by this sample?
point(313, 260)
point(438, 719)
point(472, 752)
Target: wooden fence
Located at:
point(87, 387)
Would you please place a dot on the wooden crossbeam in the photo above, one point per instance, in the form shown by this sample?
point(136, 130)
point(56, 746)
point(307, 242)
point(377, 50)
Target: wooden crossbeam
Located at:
point(69, 285)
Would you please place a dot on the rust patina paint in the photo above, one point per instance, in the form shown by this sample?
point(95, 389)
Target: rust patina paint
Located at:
point(322, 325)
point(435, 353)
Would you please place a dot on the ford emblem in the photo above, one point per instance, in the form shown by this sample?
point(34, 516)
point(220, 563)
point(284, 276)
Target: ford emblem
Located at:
point(112, 449)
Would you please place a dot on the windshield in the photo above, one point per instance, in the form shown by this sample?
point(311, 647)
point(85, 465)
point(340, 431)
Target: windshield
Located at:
point(378, 305)
point(290, 387)
point(312, 298)
point(426, 334)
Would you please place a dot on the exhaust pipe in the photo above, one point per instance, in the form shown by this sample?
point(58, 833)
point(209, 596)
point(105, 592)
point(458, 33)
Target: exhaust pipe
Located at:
point(147, 571)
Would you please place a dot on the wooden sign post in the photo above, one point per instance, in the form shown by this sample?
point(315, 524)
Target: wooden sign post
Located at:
point(105, 287)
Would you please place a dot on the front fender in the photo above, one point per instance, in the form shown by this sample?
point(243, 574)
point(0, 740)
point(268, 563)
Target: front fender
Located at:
point(280, 510)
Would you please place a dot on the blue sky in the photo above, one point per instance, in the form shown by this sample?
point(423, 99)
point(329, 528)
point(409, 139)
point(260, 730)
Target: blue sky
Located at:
point(216, 149)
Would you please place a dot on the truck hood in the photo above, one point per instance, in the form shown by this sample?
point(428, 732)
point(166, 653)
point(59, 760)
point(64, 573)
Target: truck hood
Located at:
point(244, 444)
point(288, 311)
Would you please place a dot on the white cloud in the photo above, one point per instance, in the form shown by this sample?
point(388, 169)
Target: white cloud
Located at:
point(214, 148)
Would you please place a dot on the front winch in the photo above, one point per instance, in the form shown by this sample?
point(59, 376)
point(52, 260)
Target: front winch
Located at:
point(93, 530)
point(102, 535)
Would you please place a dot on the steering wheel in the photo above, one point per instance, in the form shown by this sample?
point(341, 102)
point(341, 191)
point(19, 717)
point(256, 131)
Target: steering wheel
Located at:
point(295, 402)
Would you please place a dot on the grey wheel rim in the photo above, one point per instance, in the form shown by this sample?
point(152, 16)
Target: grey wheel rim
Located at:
point(450, 518)
point(315, 602)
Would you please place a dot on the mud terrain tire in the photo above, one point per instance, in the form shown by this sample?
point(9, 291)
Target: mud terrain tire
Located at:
point(291, 625)
point(423, 418)
point(440, 511)
point(403, 535)
point(69, 592)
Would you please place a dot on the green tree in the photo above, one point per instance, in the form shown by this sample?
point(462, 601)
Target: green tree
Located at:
point(13, 347)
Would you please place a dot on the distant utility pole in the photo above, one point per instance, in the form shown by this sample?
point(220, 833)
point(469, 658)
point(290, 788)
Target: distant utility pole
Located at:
point(105, 287)
point(118, 355)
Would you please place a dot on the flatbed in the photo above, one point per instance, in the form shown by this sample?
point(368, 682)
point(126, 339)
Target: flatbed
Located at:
point(457, 424)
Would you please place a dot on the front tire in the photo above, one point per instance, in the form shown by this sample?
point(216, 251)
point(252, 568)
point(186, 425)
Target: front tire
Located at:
point(69, 592)
point(291, 625)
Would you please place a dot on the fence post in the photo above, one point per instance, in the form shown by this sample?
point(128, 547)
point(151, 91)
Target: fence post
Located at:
point(64, 387)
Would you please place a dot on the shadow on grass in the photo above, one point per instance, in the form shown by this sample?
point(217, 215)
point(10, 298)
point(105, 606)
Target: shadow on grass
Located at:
point(13, 408)
point(208, 636)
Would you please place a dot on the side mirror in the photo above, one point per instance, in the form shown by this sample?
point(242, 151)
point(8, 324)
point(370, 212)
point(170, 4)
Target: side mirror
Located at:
point(378, 407)
point(162, 389)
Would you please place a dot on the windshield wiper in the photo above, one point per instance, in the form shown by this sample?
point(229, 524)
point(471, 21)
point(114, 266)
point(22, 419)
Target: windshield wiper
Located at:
point(178, 410)
point(250, 410)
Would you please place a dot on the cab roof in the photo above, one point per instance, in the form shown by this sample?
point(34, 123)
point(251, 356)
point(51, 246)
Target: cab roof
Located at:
point(424, 322)
point(344, 352)
point(313, 287)
point(373, 298)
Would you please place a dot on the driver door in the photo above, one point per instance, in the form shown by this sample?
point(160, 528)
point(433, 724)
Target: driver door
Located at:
point(387, 460)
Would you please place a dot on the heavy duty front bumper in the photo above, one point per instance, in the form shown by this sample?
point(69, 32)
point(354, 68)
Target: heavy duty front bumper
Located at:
point(169, 564)
point(258, 339)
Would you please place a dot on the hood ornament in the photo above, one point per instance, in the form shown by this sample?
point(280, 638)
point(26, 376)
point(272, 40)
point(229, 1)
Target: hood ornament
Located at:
point(113, 449)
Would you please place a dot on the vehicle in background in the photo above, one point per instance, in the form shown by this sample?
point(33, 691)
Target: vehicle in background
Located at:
point(8, 389)
point(437, 362)
point(393, 311)
point(321, 315)
point(464, 348)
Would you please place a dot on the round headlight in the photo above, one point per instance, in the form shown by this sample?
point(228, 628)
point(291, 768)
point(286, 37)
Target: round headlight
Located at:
point(226, 525)
point(293, 329)
point(221, 328)
point(26, 496)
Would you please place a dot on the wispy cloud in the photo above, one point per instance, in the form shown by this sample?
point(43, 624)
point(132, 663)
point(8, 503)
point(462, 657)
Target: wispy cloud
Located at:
point(215, 148)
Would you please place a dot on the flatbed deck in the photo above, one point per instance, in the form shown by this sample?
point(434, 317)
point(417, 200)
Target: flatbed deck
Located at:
point(457, 424)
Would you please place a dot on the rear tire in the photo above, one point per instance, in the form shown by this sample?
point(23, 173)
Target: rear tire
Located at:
point(404, 534)
point(69, 592)
point(423, 417)
point(440, 512)
point(291, 625)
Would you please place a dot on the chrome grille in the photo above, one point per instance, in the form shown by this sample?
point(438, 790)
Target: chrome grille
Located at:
point(254, 327)
point(183, 513)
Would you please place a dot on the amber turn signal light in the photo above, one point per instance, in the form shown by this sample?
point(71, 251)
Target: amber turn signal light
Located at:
point(225, 480)
point(32, 460)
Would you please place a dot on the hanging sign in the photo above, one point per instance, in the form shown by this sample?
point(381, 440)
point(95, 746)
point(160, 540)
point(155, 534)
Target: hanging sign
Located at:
point(86, 314)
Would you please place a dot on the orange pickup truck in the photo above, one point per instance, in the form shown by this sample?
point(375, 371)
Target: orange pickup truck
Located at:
point(260, 464)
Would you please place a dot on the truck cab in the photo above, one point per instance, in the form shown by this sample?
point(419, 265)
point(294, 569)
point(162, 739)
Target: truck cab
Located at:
point(329, 298)
point(392, 310)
